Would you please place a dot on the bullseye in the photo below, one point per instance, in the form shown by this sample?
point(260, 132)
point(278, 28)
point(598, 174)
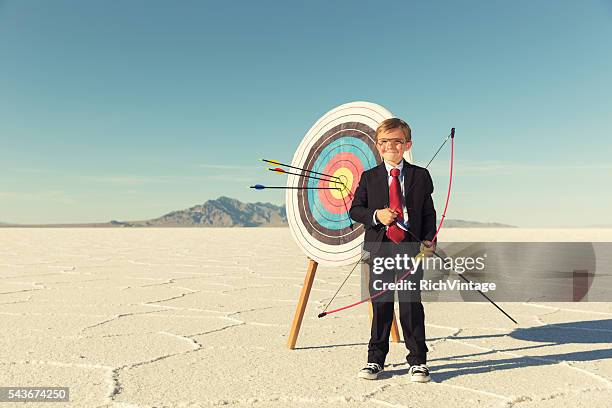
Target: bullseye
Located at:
point(343, 181)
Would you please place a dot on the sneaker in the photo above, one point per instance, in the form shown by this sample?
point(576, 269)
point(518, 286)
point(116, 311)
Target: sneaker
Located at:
point(370, 371)
point(419, 373)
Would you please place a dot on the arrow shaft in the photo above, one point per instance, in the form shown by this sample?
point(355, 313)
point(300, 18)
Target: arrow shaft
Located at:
point(307, 176)
point(465, 279)
point(301, 188)
point(299, 168)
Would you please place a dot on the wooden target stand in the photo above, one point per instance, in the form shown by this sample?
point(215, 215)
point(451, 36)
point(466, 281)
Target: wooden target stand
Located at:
point(301, 308)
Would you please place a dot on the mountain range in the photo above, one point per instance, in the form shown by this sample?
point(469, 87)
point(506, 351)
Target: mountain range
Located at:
point(222, 212)
point(229, 212)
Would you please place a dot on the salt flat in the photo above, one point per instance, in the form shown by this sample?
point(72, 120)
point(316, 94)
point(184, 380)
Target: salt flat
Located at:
point(200, 317)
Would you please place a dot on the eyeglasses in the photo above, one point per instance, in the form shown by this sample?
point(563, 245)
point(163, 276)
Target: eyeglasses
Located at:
point(394, 142)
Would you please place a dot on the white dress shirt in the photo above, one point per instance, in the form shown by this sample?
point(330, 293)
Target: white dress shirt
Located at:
point(400, 167)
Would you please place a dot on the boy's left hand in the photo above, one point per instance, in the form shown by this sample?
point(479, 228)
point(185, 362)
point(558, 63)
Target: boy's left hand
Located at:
point(428, 249)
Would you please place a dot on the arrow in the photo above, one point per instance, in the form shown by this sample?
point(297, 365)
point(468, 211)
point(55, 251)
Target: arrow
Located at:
point(262, 187)
point(279, 170)
point(345, 188)
point(299, 168)
point(463, 277)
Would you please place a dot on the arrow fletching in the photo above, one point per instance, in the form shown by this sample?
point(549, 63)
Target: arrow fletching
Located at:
point(271, 161)
point(402, 225)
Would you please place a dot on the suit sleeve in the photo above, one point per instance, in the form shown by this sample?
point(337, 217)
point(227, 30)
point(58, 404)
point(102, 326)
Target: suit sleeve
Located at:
point(360, 211)
point(429, 212)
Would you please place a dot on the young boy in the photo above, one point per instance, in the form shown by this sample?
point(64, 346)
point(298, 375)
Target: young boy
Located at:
point(390, 196)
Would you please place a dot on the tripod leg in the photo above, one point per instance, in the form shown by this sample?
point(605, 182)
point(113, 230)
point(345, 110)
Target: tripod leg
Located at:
point(301, 306)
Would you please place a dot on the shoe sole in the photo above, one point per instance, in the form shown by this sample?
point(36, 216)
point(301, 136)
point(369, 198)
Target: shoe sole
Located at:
point(367, 376)
point(420, 379)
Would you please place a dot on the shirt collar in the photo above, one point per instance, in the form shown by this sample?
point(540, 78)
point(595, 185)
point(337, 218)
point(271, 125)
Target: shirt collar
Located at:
point(400, 167)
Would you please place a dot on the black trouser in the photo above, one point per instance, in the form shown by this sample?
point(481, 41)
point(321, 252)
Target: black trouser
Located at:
point(412, 316)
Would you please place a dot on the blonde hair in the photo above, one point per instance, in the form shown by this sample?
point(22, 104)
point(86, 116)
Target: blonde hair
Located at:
point(394, 123)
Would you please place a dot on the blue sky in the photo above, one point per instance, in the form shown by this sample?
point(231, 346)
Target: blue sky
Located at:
point(128, 110)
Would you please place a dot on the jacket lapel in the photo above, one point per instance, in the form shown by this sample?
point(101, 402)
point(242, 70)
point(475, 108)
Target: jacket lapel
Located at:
point(408, 181)
point(382, 179)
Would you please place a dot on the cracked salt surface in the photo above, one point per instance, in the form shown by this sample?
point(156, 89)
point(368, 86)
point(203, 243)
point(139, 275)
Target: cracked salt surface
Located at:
point(172, 318)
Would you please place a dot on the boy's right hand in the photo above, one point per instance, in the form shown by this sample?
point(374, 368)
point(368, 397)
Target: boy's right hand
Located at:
point(386, 216)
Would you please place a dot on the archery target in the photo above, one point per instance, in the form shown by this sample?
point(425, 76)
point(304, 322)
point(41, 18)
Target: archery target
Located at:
point(336, 150)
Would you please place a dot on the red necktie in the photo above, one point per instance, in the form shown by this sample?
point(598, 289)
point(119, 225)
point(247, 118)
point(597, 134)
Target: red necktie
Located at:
point(395, 233)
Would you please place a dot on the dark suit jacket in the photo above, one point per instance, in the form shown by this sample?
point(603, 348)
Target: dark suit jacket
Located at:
point(373, 193)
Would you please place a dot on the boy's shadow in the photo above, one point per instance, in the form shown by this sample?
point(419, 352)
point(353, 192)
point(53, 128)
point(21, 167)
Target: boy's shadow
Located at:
point(586, 332)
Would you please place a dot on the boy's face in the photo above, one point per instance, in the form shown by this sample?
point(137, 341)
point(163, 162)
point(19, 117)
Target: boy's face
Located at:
point(391, 145)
